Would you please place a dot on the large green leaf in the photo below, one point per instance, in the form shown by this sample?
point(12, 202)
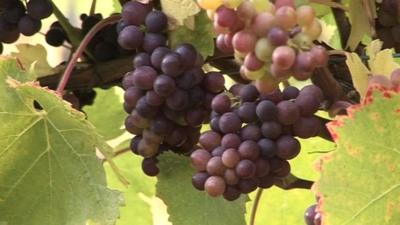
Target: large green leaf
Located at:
point(201, 36)
point(137, 210)
point(49, 172)
point(188, 206)
point(360, 180)
point(107, 113)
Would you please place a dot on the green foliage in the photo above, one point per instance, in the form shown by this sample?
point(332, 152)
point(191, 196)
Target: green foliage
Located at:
point(202, 27)
point(188, 206)
point(359, 182)
point(179, 10)
point(109, 123)
point(49, 172)
point(137, 209)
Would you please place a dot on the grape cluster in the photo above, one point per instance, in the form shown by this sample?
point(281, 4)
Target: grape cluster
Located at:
point(272, 42)
point(388, 23)
point(311, 216)
point(17, 18)
point(103, 46)
point(391, 83)
point(142, 28)
point(253, 137)
point(168, 98)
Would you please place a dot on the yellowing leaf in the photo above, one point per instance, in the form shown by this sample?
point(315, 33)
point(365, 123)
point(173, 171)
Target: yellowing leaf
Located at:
point(383, 64)
point(373, 49)
point(328, 31)
point(179, 10)
point(359, 72)
point(359, 183)
point(359, 18)
point(34, 58)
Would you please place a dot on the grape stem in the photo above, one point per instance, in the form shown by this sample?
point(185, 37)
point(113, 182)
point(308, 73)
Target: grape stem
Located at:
point(81, 48)
point(293, 182)
point(118, 153)
point(93, 7)
point(256, 202)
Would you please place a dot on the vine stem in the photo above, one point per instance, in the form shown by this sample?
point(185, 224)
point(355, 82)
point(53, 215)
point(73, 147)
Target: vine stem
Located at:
point(255, 206)
point(93, 7)
point(81, 48)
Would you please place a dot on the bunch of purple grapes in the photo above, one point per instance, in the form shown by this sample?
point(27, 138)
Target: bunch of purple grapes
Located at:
point(311, 216)
point(142, 28)
point(168, 97)
point(17, 18)
point(388, 23)
point(103, 46)
point(271, 43)
point(253, 137)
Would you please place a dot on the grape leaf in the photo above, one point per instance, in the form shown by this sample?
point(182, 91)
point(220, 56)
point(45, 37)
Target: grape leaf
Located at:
point(202, 28)
point(188, 206)
point(360, 20)
point(34, 58)
point(117, 6)
point(141, 185)
point(179, 10)
point(49, 172)
point(359, 73)
point(380, 61)
point(109, 122)
point(359, 182)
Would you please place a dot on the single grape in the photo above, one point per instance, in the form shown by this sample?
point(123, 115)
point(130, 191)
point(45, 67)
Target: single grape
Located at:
point(244, 41)
point(231, 141)
point(218, 151)
point(288, 112)
point(172, 64)
point(132, 95)
point(277, 36)
point(221, 103)
point(225, 17)
point(144, 77)
point(262, 167)
point(310, 214)
point(286, 17)
point(230, 123)
point(266, 181)
point(215, 166)
point(248, 93)
point(210, 140)
point(247, 185)
point(141, 59)
point(230, 158)
point(151, 41)
point(247, 112)
point(290, 93)
point(271, 129)
point(249, 150)
point(251, 132)
point(188, 54)
point(215, 186)
point(199, 159)
point(268, 148)
point(288, 147)
point(134, 12)
point(131, 37)
point(199, 180)
point(284, 57)
point(305, 15)
point(320, 55)
point(245, 169)
point(156, 22)
point(29, 26)
point(262, 23)
point(149, 167)
point(307, 104)
point(39, 9)
point(279, 167)
point(231, 193)
point(252, 63)
point(266, 110)
point(164, 85)
point(263, 49)
point(55, 37)
point(214, 82)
